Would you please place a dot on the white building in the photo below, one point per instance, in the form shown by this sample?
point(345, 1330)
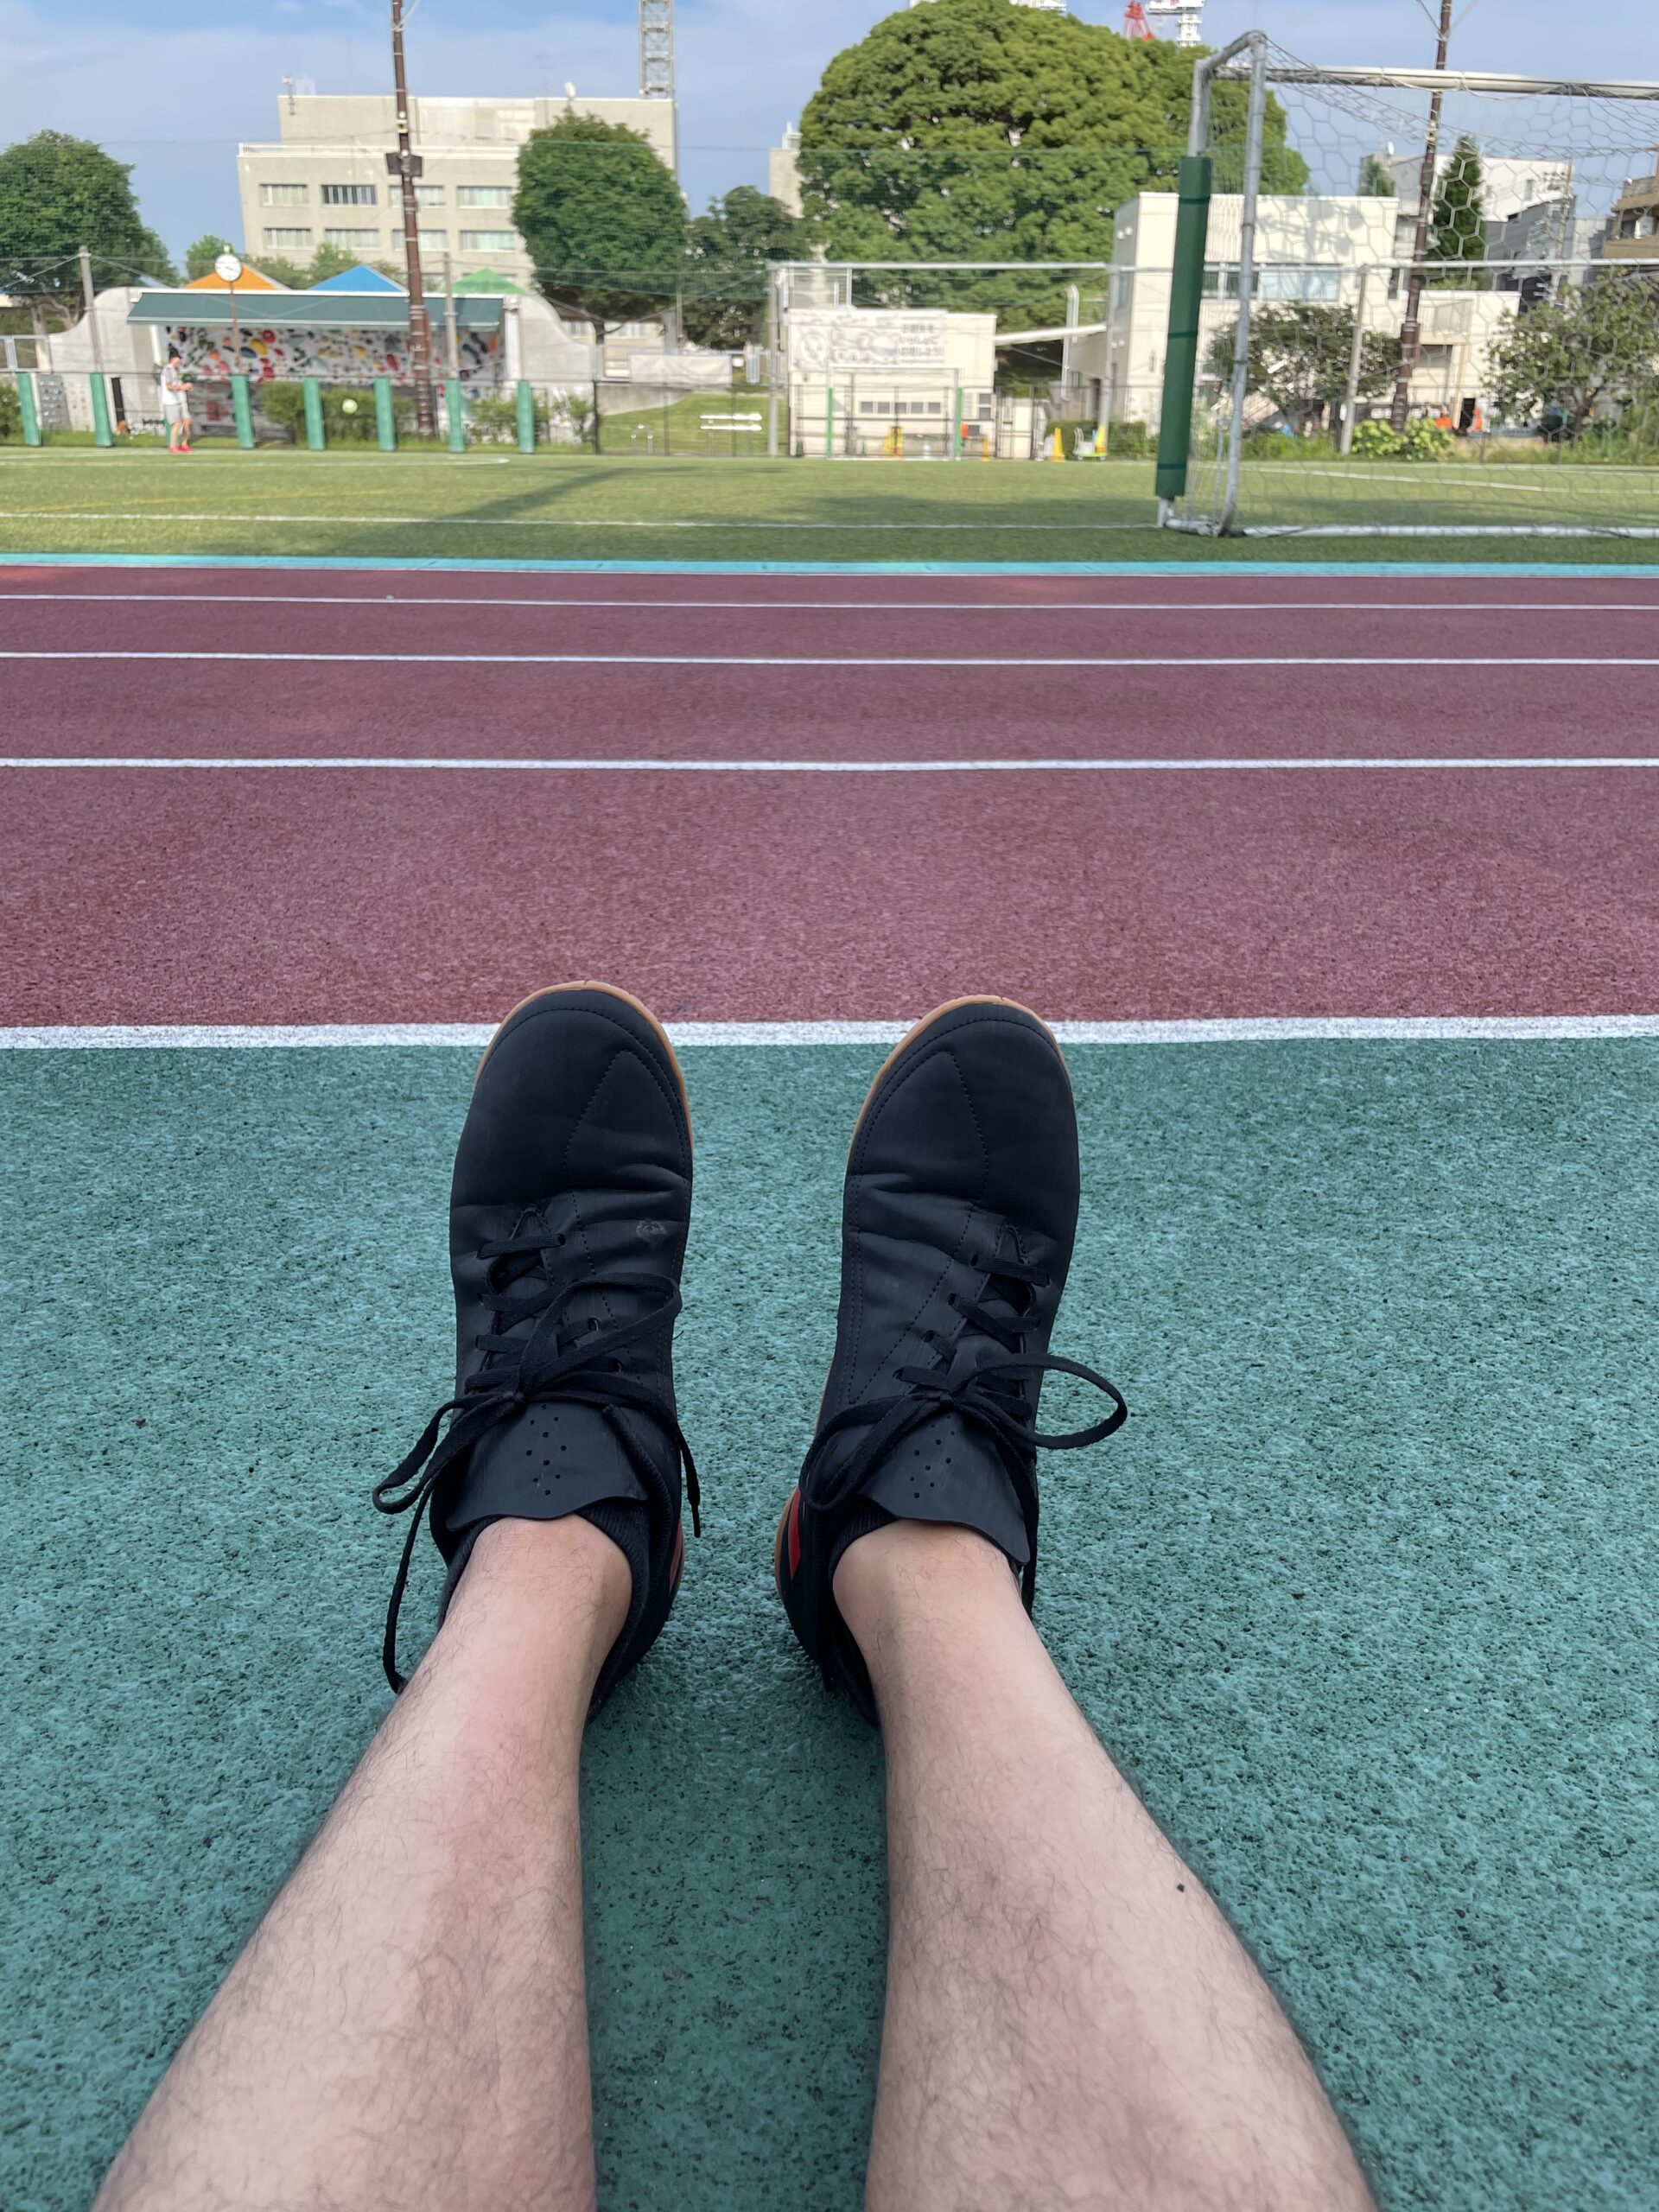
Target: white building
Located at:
point(325, 181)
point(866, 381)
point(1329, 250)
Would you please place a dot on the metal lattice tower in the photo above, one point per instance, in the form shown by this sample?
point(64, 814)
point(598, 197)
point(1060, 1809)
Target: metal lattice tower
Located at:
point(656, 49)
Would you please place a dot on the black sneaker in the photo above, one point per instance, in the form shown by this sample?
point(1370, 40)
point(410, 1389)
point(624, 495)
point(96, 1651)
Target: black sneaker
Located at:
point(957, 1224)
point(567, 1220)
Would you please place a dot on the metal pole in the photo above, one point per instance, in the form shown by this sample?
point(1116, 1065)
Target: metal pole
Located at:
point(774, 288)
point(449, 337)
point(91, 298)
point(1350, 391)
point(1246, 274)
point(236, 335)
point(420, 322)
point(1409, 329)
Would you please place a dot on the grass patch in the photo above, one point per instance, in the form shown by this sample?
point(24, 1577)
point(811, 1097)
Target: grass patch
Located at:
point(494, 504)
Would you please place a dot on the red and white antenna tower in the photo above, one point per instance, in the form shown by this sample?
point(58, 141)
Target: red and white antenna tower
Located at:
point(1135, 21)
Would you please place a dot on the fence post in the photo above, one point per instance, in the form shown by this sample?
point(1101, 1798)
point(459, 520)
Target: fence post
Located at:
point(1181, 356)
point(312, 391)
point(242, 411)
point(455, 414)
point(102, 433)
point(828, 419)
point(386, 423)
point(525, 401)
point(956, 425)
point(1355, 355)
point(31, 413)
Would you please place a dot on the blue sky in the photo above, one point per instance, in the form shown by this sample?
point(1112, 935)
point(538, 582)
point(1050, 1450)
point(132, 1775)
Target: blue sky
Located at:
point(170, 86)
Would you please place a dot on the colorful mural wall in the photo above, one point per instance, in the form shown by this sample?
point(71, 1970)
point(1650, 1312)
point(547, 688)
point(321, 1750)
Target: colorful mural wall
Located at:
point(337, 356)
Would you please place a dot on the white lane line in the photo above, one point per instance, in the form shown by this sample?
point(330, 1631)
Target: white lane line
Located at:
point(864, 605)
point(1042, 765)
point(473, 1035)
point(878, 660)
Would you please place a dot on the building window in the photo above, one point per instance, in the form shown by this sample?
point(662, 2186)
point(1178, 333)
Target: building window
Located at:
point(489, 241)
point(434, 241)
point(287, 241)
point(358, 240)
point(348, 195)
point(1296, 283)
point(283, 195)
point(429, 195)
point(483, 195)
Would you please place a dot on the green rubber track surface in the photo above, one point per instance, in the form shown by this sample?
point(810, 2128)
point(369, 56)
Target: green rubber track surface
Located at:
point(1357, 1598)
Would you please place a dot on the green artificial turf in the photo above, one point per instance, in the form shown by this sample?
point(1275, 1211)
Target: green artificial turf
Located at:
point(1357, 1598)
point(588, 507)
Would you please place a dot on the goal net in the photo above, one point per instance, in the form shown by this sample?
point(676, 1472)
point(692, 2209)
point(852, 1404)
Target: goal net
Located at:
point(1427, 303)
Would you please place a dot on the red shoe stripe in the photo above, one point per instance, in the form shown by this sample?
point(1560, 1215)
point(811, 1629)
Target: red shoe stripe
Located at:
point(795, 1533)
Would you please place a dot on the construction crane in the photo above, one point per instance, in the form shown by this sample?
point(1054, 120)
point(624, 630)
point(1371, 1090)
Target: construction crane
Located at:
point(1180, 16)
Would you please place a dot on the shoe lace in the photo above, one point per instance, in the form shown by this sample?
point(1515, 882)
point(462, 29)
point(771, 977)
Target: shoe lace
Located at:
point(578, 1361)
point(982, 1390)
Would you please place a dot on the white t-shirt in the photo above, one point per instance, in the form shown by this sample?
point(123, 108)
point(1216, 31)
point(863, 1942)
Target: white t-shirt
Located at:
point(175, 403)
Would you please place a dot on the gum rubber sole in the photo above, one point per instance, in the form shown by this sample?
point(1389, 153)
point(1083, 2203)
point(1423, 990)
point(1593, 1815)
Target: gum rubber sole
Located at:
point(609, 990)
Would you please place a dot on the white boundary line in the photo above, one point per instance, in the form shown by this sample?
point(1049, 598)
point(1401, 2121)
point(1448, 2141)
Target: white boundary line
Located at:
point(882, 660)
point(474, 1035)
point(461, 763)
point(859, 606)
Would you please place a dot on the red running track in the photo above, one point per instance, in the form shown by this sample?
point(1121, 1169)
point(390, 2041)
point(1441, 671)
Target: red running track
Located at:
point(356, 896)
point(279, 896)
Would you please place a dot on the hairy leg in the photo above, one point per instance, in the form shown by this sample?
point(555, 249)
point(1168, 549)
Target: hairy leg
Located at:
point(1069, 2021)
point(407, 2027)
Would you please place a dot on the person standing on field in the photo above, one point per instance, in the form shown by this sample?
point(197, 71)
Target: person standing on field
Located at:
point(176, 404)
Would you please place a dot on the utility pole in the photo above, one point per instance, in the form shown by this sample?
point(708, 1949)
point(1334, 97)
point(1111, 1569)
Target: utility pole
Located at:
point(405, 165)
point(1410, 328)
point(89, 293)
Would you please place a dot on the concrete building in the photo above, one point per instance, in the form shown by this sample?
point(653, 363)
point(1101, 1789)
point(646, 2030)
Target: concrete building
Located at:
point(864, 381)
point(1315, 249)
point(1633, 231)
point(1507, 185)
point(325, 181)
point(1551, 229)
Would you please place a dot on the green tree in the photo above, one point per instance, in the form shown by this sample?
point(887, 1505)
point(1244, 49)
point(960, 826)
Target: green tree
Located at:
point(1375, 179)
point(603, 221)
point(1589, 355)
point(981, 130)
point(1458, 219)
point(58, 194)
point(1299, 359)
point(727, 253)
point(199, 258)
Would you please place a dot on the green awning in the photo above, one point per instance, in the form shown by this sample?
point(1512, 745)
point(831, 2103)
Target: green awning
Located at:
point(310, 310)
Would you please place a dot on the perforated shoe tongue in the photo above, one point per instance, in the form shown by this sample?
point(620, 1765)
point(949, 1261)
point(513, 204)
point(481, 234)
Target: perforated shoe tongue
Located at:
point(551, 1458)
point(949, 1470)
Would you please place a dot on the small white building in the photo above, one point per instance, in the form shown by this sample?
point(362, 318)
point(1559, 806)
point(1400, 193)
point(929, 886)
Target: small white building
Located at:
point(875, 380)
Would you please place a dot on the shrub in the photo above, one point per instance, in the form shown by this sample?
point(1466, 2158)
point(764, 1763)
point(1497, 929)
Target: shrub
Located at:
point(1420, 440)
point(11, 412)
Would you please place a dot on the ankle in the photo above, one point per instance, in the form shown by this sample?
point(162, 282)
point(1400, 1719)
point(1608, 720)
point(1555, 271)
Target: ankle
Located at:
point(920, 1576)
point(550, 1590)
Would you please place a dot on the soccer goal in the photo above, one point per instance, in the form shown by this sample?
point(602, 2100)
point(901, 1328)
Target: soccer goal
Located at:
point(1412, 302)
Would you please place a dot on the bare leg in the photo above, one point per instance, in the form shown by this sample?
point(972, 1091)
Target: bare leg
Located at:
point(407, 2025)
point(1069, 2021)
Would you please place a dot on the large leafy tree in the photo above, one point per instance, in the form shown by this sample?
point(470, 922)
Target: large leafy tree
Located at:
point(982, 131)
point(1299, 356)
point(603, 221)
point(58, 194)
point(1586, 355)
point(727, 254)
point(1458, 216)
